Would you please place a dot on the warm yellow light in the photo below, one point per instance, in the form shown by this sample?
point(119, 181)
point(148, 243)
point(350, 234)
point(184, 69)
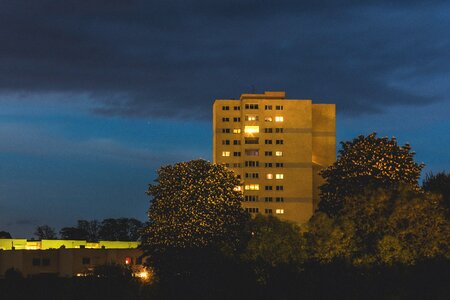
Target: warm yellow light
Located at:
point(143, 275)
point(279, 153)
point(279, 119)
point(251, 118)
point(279, 176)
point(279, 211)
point(268, 119)
point(238, 188)
point(252, 187)
point(269, 176)
point(236, 130)
point(225, 153)
point(251, 129)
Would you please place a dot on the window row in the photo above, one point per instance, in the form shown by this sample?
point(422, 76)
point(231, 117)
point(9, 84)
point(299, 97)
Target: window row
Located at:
point(268, 176)
point(254, 164)
point(270, 130)
point(236, 119)
point(253, 106)
point(228, 142)
point(228, 108)
point(251, 152)
point(251, 130)
point(255, 187)
point(255, 210)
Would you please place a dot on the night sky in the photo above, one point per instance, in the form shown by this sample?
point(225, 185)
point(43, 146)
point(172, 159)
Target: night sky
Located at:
point(96, 95)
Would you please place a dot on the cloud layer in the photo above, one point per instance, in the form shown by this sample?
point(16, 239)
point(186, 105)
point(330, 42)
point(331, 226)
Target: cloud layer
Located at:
point(172, 58)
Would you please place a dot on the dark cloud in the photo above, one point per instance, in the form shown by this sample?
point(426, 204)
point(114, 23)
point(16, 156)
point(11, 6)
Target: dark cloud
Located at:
point(167, 58)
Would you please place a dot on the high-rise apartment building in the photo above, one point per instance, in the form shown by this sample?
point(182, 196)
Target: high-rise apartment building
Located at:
point(276, 146)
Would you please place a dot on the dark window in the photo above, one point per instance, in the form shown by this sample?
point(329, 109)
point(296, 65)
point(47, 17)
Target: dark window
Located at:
point(268, 165)
point(279, 187)
point(279, 199)
point(279, 107)
point(252, 210)
point(236, 119)
point(268, 130)
point(251, 175)
point(279, 142)
point(225, 142)
point(226, 130)
point(268, 211)
point(252, 152)
point(268, 187)
point(36, 262)
point(237, 108)
point(268, 142)
point(279, 130)
point(268, 107)
point(227, 165)
point(236, 142)
point(46, 261)
point(268, 153)
point(251, 198)
point(225, 119)
point(251, 106)
point(252, 141)
point(86, 261)
point(236, 153)
point(268, 199)
point(236, 165)
point(279, 165)
point(252, 163)
point(225, 108)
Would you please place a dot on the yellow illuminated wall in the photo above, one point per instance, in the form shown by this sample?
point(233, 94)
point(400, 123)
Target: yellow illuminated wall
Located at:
point(277, 146)
point(23, 244)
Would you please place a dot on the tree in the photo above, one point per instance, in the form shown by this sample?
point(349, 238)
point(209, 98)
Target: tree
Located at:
point(367, 161)
point(73, 233)
point(195, 204)
point(91, 228)
point(274, 242)
point(383, 226)
point(121, 229)
point(5, 235)
point(440, 184)
point(45, 232)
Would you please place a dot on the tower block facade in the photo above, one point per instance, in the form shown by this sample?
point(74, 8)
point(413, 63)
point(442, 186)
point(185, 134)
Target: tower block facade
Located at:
point(277, 147)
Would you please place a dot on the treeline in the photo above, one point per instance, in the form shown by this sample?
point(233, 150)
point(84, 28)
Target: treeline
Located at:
point(120, 229)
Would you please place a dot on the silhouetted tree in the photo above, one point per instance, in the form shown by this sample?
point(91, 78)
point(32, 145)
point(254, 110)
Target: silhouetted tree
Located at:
point(45, 232)
point(91, 228)
point(440, 184)
point(73, 233)
point(121, 229)
point(5, 235)
point(367, 161)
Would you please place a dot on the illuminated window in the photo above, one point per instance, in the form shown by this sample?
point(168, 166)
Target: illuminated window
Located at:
point(279, 142)
point(225, 108)
point(268, 199)
point(279, 165)
point(128, 260)
point(279, 153)
point(225, 119)
point(226, 130)
point(268, 165)
point(269, 176)
point(251, 106)
point(251, 118)
point(268, 211)
point(279, 211)
point(236, 119)
point(238, 188)
point(279, 187)
point(251, 198)
point(225, 142)
point(279, 176)
point(251, 129)
point(279, 199)
point(252, 187)
point(252, 152)
point(237, 130)
point(279, 130)
point(268, 107)
point(225, 153)
point(279, 107)
point(236, 142)
point(279, 119)
point(268, 187)
point(237, 108)
point(268, 130)
point(268, 153)
point(237, 153)
point(268, 119)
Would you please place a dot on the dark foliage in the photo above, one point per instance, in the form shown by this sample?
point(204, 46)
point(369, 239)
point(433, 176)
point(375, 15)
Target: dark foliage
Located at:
point(5, 235)
point(440, 184)
point(73, 233)
point(45, 232)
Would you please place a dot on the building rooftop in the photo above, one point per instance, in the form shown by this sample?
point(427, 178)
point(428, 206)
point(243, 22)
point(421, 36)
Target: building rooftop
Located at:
point(24, 244)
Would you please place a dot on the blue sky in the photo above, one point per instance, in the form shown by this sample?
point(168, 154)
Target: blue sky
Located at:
point(94, 97)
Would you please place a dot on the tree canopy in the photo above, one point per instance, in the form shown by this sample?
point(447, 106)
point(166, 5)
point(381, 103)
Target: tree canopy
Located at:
point(45, 232)
point(5, 235)
point(367, 161)
point(194, 204)
point(439, 183)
